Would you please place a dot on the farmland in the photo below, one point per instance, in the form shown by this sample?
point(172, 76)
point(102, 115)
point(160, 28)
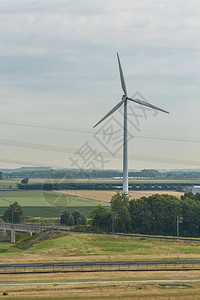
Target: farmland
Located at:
point(105, 196)
point(39, 203)
point(45, 203)
point(44, 198)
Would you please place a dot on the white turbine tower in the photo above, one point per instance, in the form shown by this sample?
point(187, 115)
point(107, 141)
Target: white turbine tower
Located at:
point(124, 100)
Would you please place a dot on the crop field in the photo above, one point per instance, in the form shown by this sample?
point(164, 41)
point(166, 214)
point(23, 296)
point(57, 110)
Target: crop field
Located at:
point(44, 203)
point(105, 196)
point(43, 198)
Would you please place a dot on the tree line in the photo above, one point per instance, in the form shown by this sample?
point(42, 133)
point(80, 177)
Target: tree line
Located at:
point(154, 215)
point(99, 186)
point(49, 173)
point(75, 218)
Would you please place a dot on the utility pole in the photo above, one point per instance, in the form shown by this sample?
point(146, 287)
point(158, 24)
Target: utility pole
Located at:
point(178, 227)
point(12, 216)
point(12, 231)
point(57, 219)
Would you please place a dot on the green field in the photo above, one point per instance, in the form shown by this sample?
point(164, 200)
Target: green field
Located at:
point(43, 198)
point(44, 203)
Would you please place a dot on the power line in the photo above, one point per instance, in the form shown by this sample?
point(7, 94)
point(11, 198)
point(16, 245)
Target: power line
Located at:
point(82, 130)
point(60, 149)
point(164, 160)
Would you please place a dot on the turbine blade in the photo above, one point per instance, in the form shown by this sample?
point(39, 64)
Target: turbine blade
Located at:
point(121, 76)
point(110, 112)
point(147, 104)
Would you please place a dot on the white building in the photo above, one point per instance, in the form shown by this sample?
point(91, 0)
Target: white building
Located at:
point(193, 188)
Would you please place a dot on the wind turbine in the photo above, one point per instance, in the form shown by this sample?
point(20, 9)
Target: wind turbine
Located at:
point(124, 101)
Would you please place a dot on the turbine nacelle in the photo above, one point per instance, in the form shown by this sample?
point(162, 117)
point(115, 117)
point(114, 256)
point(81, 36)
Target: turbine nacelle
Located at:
point(124, 98)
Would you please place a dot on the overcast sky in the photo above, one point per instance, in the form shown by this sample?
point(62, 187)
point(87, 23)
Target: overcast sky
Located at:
point(59, 77)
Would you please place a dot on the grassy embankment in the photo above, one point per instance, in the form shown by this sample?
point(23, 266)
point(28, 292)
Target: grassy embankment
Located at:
point(91, 247)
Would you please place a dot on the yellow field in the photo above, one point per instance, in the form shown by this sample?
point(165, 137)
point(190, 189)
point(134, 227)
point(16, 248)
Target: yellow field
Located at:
point(105, 196)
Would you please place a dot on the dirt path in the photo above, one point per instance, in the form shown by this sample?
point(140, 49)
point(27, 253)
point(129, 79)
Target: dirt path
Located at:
point(102, 282)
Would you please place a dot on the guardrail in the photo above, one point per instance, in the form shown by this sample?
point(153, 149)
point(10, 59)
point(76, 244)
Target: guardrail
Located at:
point(100, 266)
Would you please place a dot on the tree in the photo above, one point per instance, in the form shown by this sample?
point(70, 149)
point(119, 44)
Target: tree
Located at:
point(79, 218)
point(189, 195)
point(70, 221)
point(165, 209)
point(141, 216)
point(1, 175)
point(13, 213)
point(64, 217)
point(76, 215)
point(25, 180)
point(120, 207)
point(83, 220)
point(156, 214)
point(101, 218)
point(191, 217)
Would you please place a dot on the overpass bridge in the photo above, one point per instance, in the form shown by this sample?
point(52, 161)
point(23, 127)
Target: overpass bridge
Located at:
point(25, 228)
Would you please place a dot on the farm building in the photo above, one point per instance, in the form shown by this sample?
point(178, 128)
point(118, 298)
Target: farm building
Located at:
point(193, 188)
